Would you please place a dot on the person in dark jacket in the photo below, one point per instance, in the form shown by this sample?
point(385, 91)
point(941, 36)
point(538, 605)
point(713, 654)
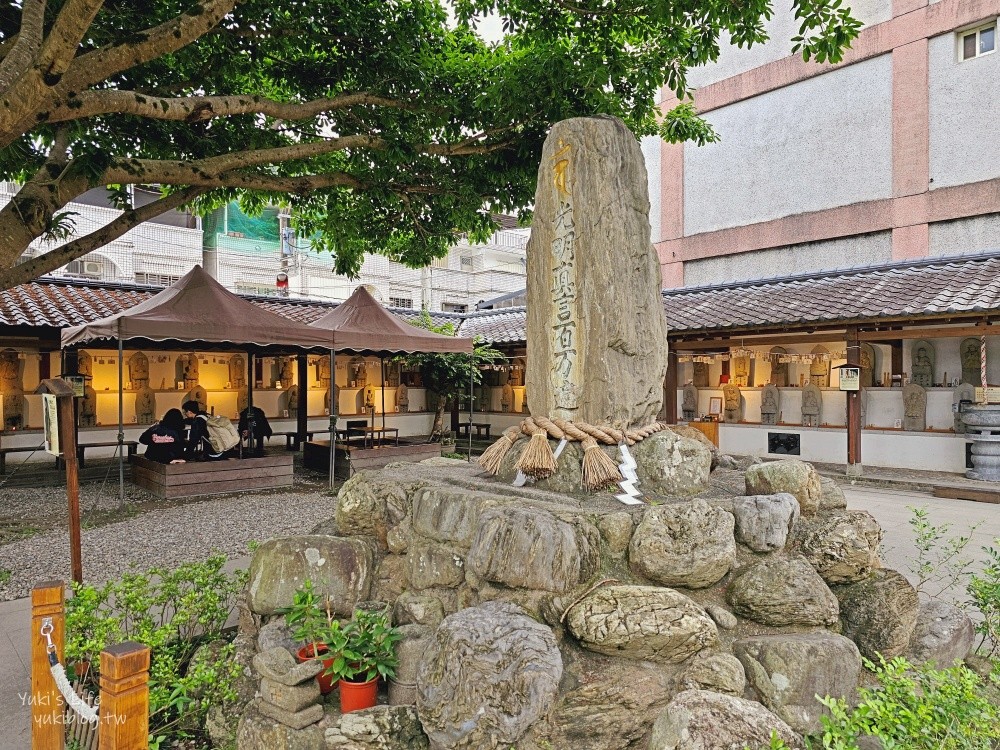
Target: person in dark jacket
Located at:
point(165, 439)
point(254, 427)
point(198, 447)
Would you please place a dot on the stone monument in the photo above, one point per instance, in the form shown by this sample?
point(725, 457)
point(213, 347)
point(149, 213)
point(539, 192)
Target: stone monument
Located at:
point(812, 405)
point(238, 380)
point(88, 404)
point(968, 352)
point(483, 398)
point(741, 371)
point(402, 397)
point(370, 399)
point(819, 370)
point(190, 364)
point(286, 370)
point(922, 364)
point(507, 398)
point(869, 365)
point(700, 378)
point(291, 399)
point(524, 400)
point(964, 395)
point(145, 399)
point(689, 406)
point(770, 404)
point(732, 403)
point(359, 369)
point(779, 370)
point(11, 386)
point(599, 340)
point(914, 408)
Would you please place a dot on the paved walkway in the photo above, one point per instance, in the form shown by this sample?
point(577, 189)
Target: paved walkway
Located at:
point(888, 505)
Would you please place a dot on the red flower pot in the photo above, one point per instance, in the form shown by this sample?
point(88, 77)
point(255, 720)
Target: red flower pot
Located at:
point(357, 695)
point(312, 651)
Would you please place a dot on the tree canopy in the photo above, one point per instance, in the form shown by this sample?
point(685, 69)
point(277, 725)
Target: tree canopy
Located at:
point(386, 126)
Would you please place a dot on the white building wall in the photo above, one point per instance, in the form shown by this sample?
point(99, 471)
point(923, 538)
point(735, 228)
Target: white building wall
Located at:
point(973, 235)
point(651, 153)
point(821, 143)
point(860, 250)
point(964, 102)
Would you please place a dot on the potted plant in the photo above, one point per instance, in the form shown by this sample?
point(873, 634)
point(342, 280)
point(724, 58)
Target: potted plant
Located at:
point(311, 623)
point(365, 649)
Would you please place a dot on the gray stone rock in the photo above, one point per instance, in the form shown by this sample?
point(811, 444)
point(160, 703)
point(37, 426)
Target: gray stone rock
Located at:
point(763, 522)
point(642, 622)
point(789, 475)
point(432, 565)
point(448, 515)
point(689, 545)
point(698, 436)
point(722, 616)
point(222, 724)
point(412, 608)
point(392, 578)
point(415, 642)
point(671, 465)
point(782, 591)
point(568, 477)
point(276, 634)
point(942, 635)
point(377, 728)
point(531, 549)
point(589, 250)
point(787, 672)
point(292, 698)
point(340, 569)
point(294, 720)
point(491, 673)
point(616, 531)
point(259, 732)
point(831, 495)
point(720, 673)
point(843, 547)
point(372, 502)
point(725, 461)
point(279, 666)
point(703, 720)
point(879, 614)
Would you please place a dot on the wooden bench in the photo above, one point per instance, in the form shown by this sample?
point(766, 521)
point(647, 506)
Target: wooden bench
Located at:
point(194, 478)
point(350, 458)
point(131, 445)
point(292, 437)
point(24, 449)
point(464, 428)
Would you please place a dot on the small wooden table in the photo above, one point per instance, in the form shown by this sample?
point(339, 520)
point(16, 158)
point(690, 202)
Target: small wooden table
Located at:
point(368, 434)
point(464, 428)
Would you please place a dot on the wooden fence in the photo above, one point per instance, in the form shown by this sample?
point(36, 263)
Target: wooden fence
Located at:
point(123, 721)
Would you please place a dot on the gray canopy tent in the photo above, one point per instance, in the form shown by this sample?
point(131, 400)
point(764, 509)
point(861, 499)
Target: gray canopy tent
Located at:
point(363, 327)
point(197, 310)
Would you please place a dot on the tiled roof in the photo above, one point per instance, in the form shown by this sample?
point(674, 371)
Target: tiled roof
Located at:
point(59, 303)
point(908, 289)
point(503, 326)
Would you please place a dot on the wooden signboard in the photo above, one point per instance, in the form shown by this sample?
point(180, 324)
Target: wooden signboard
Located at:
point(992, 396)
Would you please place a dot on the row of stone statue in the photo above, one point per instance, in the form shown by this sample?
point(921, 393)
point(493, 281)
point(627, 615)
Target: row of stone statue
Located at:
point(914, 405)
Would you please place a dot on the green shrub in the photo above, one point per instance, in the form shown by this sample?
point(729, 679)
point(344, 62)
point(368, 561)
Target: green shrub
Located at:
point(173, 612)
point(984, 588)
point(912, 709)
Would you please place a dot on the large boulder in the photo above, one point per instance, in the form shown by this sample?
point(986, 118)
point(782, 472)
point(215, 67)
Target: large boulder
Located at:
point(371, 502)
point(341, 571)
point(447, 515)
point(376, 728)
point(259, 732)
point(687, 431)
point(688, 544)
point(832, 496)
point(671, 465)
point(879, 614)
point(782, 591)
point(788, 475)
point(642, 622)
point(704, 720)
point(788, 672)
point(720, 673)
point(942, 635)
point(843, 546)
point(433, 565)
point(531, 549)
point(490, 674)
point(763, 522)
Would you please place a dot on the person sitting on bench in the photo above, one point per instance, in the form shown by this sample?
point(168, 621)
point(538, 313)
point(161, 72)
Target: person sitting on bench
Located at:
point(165, 439)
point(199, 447)
point(254, 427)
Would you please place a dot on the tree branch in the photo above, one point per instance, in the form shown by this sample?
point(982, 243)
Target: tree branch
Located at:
point(204, 108)
point(50, 261)
point(29, 42)
point(60, 46)
point(154, 42)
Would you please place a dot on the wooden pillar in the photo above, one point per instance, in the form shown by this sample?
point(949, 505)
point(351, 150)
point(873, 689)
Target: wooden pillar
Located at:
point(47, 728)
point(853, 408)
point(67, 440)
point(251, 374)
point(124, 697)
point(896, 351)
point(302, 416)
point(669, 410)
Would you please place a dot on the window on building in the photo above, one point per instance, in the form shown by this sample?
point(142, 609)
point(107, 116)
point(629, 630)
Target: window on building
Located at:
point(156, 279)
point(453, 307)
point(440, 262)
point(467, 263)
point(404, 302)
point(978, 42)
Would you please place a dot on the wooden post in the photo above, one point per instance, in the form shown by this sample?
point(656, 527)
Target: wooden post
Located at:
point(124, 723)
point(670, 390)
point(853, 408)
point(302, 416)
point(896, 350)
point(47, 728)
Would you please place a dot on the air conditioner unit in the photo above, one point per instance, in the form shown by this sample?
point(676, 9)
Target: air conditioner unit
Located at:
point(93, 268)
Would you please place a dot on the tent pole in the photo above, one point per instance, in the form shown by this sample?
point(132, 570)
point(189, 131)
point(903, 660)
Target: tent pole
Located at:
point(381, 361)
point(472, 378)
point(121, 419)
point(333, 412)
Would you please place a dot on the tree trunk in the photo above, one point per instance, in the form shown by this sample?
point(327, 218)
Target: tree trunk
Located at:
point(437, 430)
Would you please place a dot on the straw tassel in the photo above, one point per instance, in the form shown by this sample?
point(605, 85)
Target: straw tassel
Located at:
point(537, 460)
point(492, 458)
point(598, 469)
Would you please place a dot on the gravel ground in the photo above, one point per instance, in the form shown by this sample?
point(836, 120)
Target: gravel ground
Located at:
point(149, 533)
